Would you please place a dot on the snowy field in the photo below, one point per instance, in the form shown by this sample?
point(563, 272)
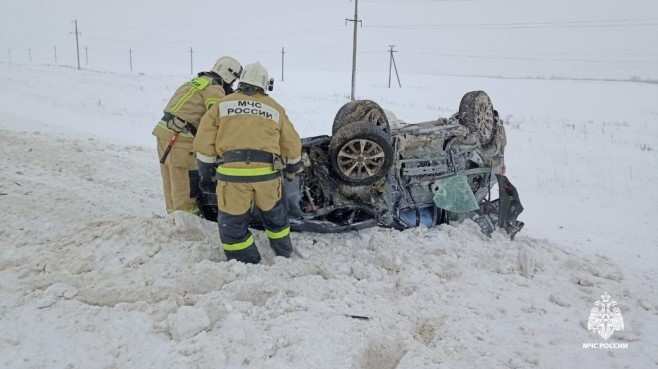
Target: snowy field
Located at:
point(93, 275)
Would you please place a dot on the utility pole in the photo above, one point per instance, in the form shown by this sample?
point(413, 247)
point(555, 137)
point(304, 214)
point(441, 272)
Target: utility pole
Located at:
point(130, 52)
point(29, 55)
point(86, 56)
point(77, 42)
point(283, 62)
point(391, 65)
point(55, 53)
point(191, 61)
point(9, 55)
point(356, 22)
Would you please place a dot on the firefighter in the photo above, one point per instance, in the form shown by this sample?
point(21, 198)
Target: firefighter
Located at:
point(256, 141)
point(176, 130)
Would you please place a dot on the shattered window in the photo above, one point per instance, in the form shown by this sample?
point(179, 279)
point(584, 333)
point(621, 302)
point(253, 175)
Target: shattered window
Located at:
point(455, 195)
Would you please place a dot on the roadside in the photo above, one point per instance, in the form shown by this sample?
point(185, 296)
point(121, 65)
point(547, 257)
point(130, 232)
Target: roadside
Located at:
point(86, 264)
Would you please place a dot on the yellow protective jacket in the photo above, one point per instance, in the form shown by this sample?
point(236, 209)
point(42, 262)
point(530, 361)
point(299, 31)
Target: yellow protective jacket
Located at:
point(240, 121)
point(189, 103)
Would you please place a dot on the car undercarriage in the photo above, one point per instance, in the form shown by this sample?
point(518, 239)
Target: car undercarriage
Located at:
point(371, 174)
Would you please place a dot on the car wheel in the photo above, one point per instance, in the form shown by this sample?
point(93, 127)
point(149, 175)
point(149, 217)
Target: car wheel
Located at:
point(360, 153)
point(361, 110)
point(476, 112)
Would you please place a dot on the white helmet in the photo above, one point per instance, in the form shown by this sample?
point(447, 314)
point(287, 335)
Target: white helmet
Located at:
point(256, 75)
point(228, 68)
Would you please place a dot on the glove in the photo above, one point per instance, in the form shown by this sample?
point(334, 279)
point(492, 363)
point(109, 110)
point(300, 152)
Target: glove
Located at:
point(207, 175)
point(176, 125)
point(292, 194)
point(292, 169)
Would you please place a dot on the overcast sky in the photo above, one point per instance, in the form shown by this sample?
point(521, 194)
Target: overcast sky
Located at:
point(605, 37)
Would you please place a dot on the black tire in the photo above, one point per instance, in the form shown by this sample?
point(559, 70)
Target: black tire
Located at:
point(477, 113)
point(361, 110)
point(364, 148)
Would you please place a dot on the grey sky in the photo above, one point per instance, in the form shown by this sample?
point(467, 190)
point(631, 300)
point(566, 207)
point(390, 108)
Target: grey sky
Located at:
point(604, 37)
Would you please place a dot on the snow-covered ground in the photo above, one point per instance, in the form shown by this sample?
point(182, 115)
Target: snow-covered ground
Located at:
point(93, 275)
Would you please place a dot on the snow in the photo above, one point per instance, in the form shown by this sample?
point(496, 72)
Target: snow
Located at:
point(94, 275)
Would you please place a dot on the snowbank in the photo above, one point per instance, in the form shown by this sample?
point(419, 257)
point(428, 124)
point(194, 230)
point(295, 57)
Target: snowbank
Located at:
point(93, 276)
point(88, 279)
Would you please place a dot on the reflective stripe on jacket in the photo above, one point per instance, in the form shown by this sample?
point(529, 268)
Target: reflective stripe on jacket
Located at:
point(190, 102)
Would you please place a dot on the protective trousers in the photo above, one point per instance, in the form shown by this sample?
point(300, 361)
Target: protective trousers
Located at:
point(179, 175)
point(236, 201)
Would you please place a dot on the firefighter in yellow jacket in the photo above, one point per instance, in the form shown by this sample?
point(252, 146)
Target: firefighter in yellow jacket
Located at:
point(176, 130)
point(255, 140)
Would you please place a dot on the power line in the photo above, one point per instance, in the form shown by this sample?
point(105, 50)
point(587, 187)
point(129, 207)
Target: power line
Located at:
point(538, 58)
point(606, 23)
point(551, 78)
point(524, 58)
point(423, 2)
point(418, 1)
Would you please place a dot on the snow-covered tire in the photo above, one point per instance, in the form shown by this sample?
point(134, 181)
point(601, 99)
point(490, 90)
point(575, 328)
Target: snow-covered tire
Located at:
point(358, 111)
point(477, 113)
point(360, 153)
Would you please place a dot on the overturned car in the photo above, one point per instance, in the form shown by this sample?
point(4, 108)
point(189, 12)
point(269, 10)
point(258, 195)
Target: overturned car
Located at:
point(370, 173)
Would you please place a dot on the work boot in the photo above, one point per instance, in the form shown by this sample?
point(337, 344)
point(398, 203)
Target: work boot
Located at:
point(282, 247)
point(250, 255)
